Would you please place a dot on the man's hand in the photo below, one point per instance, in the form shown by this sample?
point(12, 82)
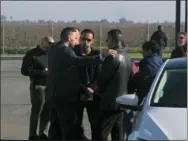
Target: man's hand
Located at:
point(45, 71)
point(106, 52)
point(88, 96)
point(112, 52)
point(89, 90)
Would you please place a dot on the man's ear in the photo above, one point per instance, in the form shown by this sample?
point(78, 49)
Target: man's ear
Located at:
point(69, 38)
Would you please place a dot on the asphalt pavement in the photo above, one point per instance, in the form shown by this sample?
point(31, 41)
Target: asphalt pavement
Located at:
point(15, 102)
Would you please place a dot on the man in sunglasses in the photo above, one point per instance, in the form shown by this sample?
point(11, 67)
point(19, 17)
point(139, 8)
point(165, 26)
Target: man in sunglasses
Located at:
point(88, 74)
point(181, 49)
point(37, 72)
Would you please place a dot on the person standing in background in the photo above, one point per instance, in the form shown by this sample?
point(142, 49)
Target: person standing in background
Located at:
point(37, 74)
point(181, 50)
point(160, 37)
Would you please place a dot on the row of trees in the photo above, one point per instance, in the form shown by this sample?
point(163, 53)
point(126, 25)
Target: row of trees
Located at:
point(5, 19)
point(28, 35)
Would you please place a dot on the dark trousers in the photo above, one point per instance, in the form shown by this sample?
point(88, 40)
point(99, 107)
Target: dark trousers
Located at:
point(110, 122)
point(39, 110)
point(92, 108)
point(55, 129)
point(116, 130)
point(67, 117)
point(122, 128)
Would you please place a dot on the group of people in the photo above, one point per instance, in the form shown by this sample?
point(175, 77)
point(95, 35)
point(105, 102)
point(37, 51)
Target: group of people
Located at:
point(75, 76)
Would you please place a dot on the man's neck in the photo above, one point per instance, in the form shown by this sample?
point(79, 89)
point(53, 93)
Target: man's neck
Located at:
point(86, 50)
point(66, 44)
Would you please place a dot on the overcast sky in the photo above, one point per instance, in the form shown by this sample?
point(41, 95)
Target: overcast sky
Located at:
point(138, 11)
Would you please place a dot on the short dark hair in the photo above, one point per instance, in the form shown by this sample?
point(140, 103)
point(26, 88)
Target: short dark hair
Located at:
point(116, 36)
point(150, 45)
point(159, 26)
point(66, 32)
point(85, 31)
point(114, 32)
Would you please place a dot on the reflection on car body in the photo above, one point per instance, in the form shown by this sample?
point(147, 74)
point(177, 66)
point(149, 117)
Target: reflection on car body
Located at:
point(163, 115)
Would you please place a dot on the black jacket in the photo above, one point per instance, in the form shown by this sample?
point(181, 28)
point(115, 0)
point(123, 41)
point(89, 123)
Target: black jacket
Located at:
point(113, 80)
point(160, 37)
point(87, 73)
point(51, 76)
point(32, 68)
point(177, 53)
point(65, 72)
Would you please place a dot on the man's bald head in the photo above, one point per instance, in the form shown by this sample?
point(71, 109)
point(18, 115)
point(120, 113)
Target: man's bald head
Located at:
point(48, 39)
point(46, 42)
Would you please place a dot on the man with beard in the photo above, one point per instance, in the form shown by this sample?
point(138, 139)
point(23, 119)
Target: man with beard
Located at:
point(38, 73)
point(88, 75)
point(66, 81)
point(161, 39)
point(111, 83)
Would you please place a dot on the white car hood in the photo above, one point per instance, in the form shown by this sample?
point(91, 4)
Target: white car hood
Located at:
point(164, 124)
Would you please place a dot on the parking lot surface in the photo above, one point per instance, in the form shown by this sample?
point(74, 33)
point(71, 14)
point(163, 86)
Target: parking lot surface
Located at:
point(15, 102)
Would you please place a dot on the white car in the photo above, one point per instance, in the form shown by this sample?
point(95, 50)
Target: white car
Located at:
point(163, 113)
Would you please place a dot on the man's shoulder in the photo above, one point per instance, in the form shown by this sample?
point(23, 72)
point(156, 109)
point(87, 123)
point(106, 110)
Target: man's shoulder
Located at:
point(142, 61)
point(153, 59)
point(112, 59)
point(60, 46)
point(156, 32)
point(77, 49)
point(95, 51)
point(159, 59)
point(32, 51)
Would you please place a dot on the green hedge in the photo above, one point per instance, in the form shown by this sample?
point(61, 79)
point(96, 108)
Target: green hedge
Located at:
point(24, 50)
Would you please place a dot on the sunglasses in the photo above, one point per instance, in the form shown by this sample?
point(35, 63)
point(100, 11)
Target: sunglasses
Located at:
point(181, 37)
point(86, 39)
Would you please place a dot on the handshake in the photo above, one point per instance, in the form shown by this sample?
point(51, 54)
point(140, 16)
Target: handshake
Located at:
point(88, 95)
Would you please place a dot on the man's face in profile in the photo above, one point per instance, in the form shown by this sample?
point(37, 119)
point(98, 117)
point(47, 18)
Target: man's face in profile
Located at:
point(86, 40)
point(73, 39)
point(109, 41)
point(78, 37)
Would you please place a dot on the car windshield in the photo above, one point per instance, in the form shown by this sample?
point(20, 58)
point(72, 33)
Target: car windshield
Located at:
point(171, 90)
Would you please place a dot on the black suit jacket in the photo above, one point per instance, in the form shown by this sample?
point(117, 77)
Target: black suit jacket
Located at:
point(51, 75)
point(31, 67)
point(64, 73)
point(113, 80)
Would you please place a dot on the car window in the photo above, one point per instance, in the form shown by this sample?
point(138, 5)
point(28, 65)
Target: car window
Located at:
point(171, 90)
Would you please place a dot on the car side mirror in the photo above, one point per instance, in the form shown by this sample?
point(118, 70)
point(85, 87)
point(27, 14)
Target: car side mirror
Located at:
point(128, 101)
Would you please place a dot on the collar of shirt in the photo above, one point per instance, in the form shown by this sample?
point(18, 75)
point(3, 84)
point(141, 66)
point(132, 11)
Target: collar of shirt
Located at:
point(66, 44)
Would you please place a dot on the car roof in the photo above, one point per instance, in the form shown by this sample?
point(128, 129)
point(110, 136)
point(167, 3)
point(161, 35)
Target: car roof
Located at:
point(176, 63)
